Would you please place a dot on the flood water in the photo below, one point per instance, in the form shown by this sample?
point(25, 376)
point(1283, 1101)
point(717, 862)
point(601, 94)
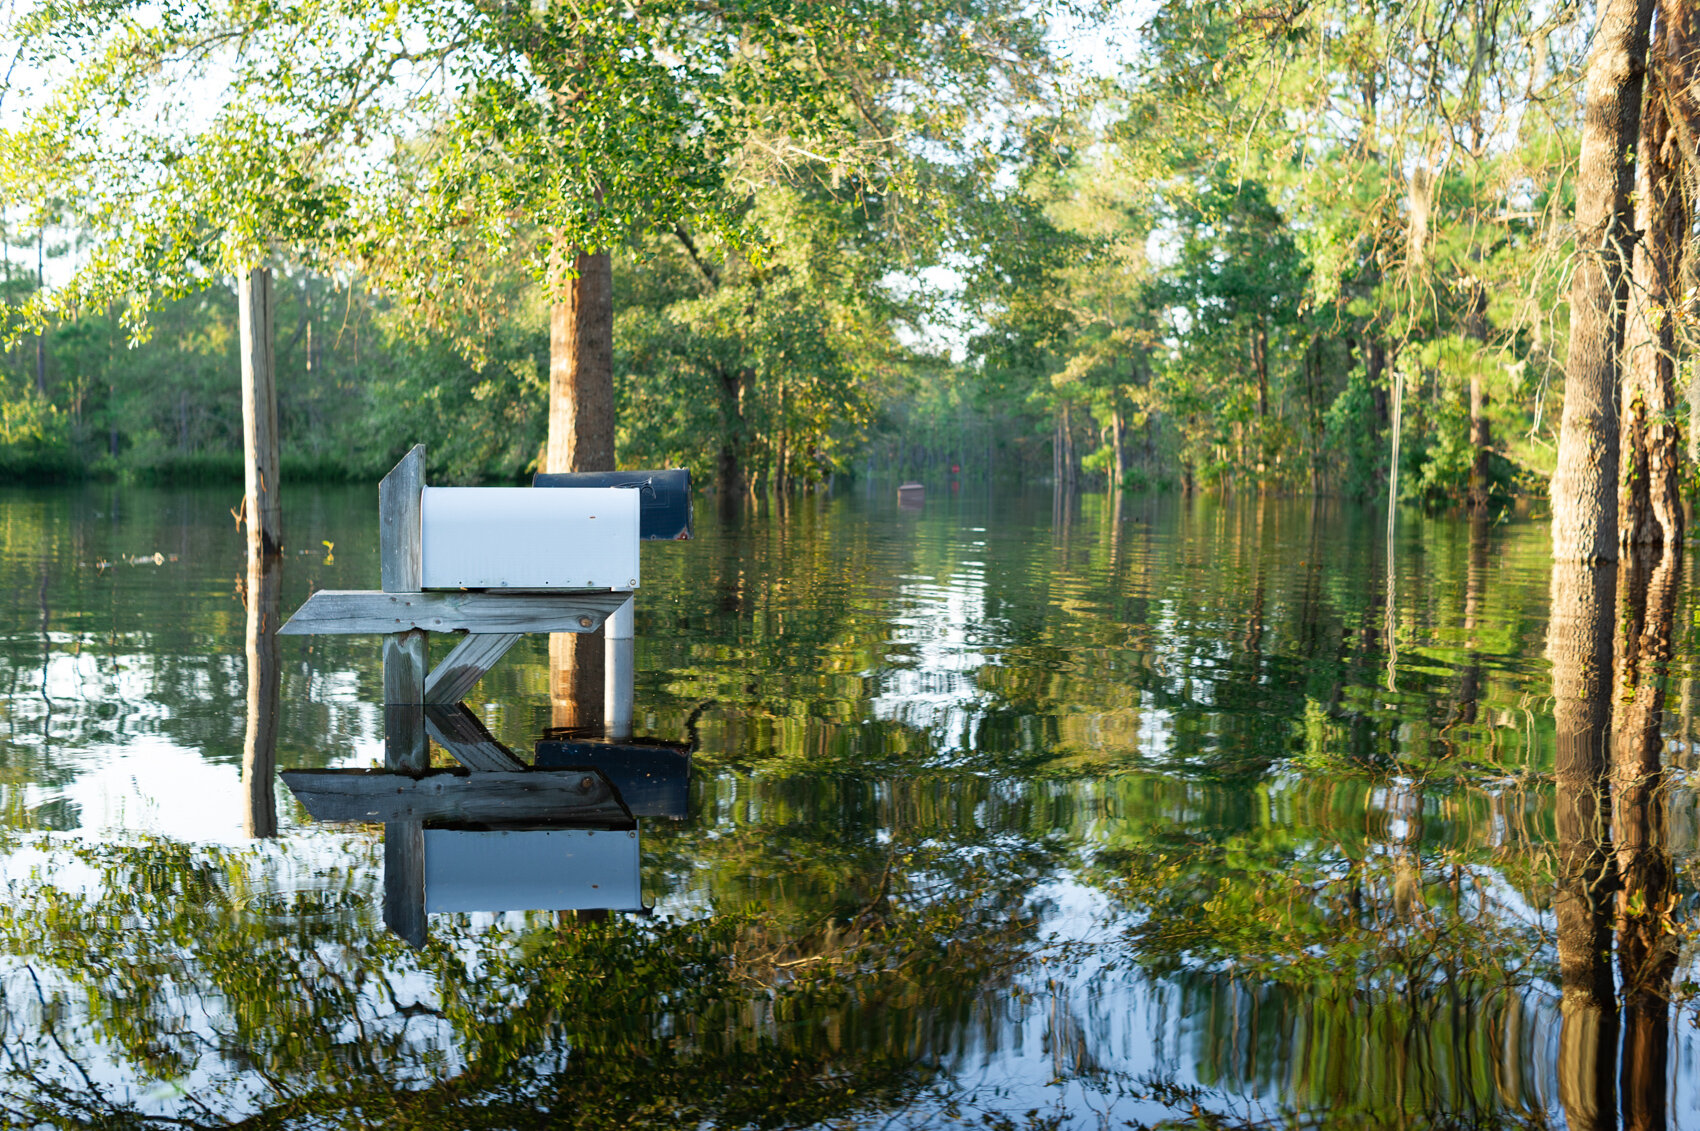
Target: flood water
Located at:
point(999, 812)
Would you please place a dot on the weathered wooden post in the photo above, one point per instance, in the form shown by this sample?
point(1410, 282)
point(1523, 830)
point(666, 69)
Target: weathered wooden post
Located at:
point(260, 507)
point(259, 742)
point(405, 660)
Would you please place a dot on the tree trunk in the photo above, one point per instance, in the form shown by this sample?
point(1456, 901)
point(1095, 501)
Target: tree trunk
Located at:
point(581, 438)
point(1481, 431)
point(1070, 465)
point(1646, 951)
point(261, 509)
point(1057, 452)
point(1579, 645)
point(1419, 203)
point(40, 338)
point(1260, 364)
point(581, 369)
point(1375, 374)
point(1584, 483)
point(1116, 429)
point(729, 467)
point(1649, 491)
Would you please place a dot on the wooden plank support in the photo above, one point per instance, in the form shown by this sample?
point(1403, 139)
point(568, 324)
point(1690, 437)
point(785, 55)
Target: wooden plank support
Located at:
point(461, 669)
point(357, 612)
point(405, 655)
point(455, 797)
point(459, 731)
point(398, 522)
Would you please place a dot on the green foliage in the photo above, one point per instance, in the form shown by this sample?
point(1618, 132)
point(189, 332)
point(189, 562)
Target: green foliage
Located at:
point(1355, 440)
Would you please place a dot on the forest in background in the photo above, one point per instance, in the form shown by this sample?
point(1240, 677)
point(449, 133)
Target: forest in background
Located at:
point(1226, 266)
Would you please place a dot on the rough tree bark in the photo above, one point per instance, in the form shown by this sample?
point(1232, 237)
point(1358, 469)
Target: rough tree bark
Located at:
point(581, 438)
point(1579, 645)
point(1649, 491)
point(581, 368)
point(1584, 483)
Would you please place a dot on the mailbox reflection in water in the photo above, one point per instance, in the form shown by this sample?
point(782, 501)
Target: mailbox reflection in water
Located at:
point(532, 870)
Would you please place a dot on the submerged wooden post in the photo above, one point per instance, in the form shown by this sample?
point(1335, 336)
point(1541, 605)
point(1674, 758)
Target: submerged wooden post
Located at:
point(398, 522)
point(405, 659)
point(259, 743)
point(261, 509)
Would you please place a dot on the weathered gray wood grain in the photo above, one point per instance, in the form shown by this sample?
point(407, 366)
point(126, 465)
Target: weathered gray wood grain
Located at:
point(354, 612)
point(405, 745)
point(453, 796)
point(460, 732)
point(398, 522)
point(462, 668)
point(404, 881)
point(404, 667)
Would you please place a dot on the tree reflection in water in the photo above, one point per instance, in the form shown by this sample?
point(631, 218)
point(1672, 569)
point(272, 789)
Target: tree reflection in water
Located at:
point(1646, 942)
point(1579, 644)
point(1287, 894)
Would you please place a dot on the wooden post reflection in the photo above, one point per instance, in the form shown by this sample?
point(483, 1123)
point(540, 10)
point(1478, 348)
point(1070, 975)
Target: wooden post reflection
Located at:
point(405, 660)
point(1579, 644)
point(1645, 954)
point(259, 743)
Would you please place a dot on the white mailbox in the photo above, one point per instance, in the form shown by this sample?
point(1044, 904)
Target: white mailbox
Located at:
point(527, 538)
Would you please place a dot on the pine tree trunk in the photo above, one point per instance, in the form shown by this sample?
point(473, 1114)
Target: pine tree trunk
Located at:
point(1584, 483)
point(1649, 491)
point(581, 438)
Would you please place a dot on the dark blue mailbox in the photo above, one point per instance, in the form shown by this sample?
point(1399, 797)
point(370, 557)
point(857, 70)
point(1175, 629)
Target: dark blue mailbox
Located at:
point(664, 500)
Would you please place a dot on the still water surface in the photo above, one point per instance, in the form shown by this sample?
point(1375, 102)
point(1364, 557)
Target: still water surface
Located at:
point(1000, 813)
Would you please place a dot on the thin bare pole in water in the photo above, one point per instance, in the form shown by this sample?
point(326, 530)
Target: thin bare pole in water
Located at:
point(1392, 516)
